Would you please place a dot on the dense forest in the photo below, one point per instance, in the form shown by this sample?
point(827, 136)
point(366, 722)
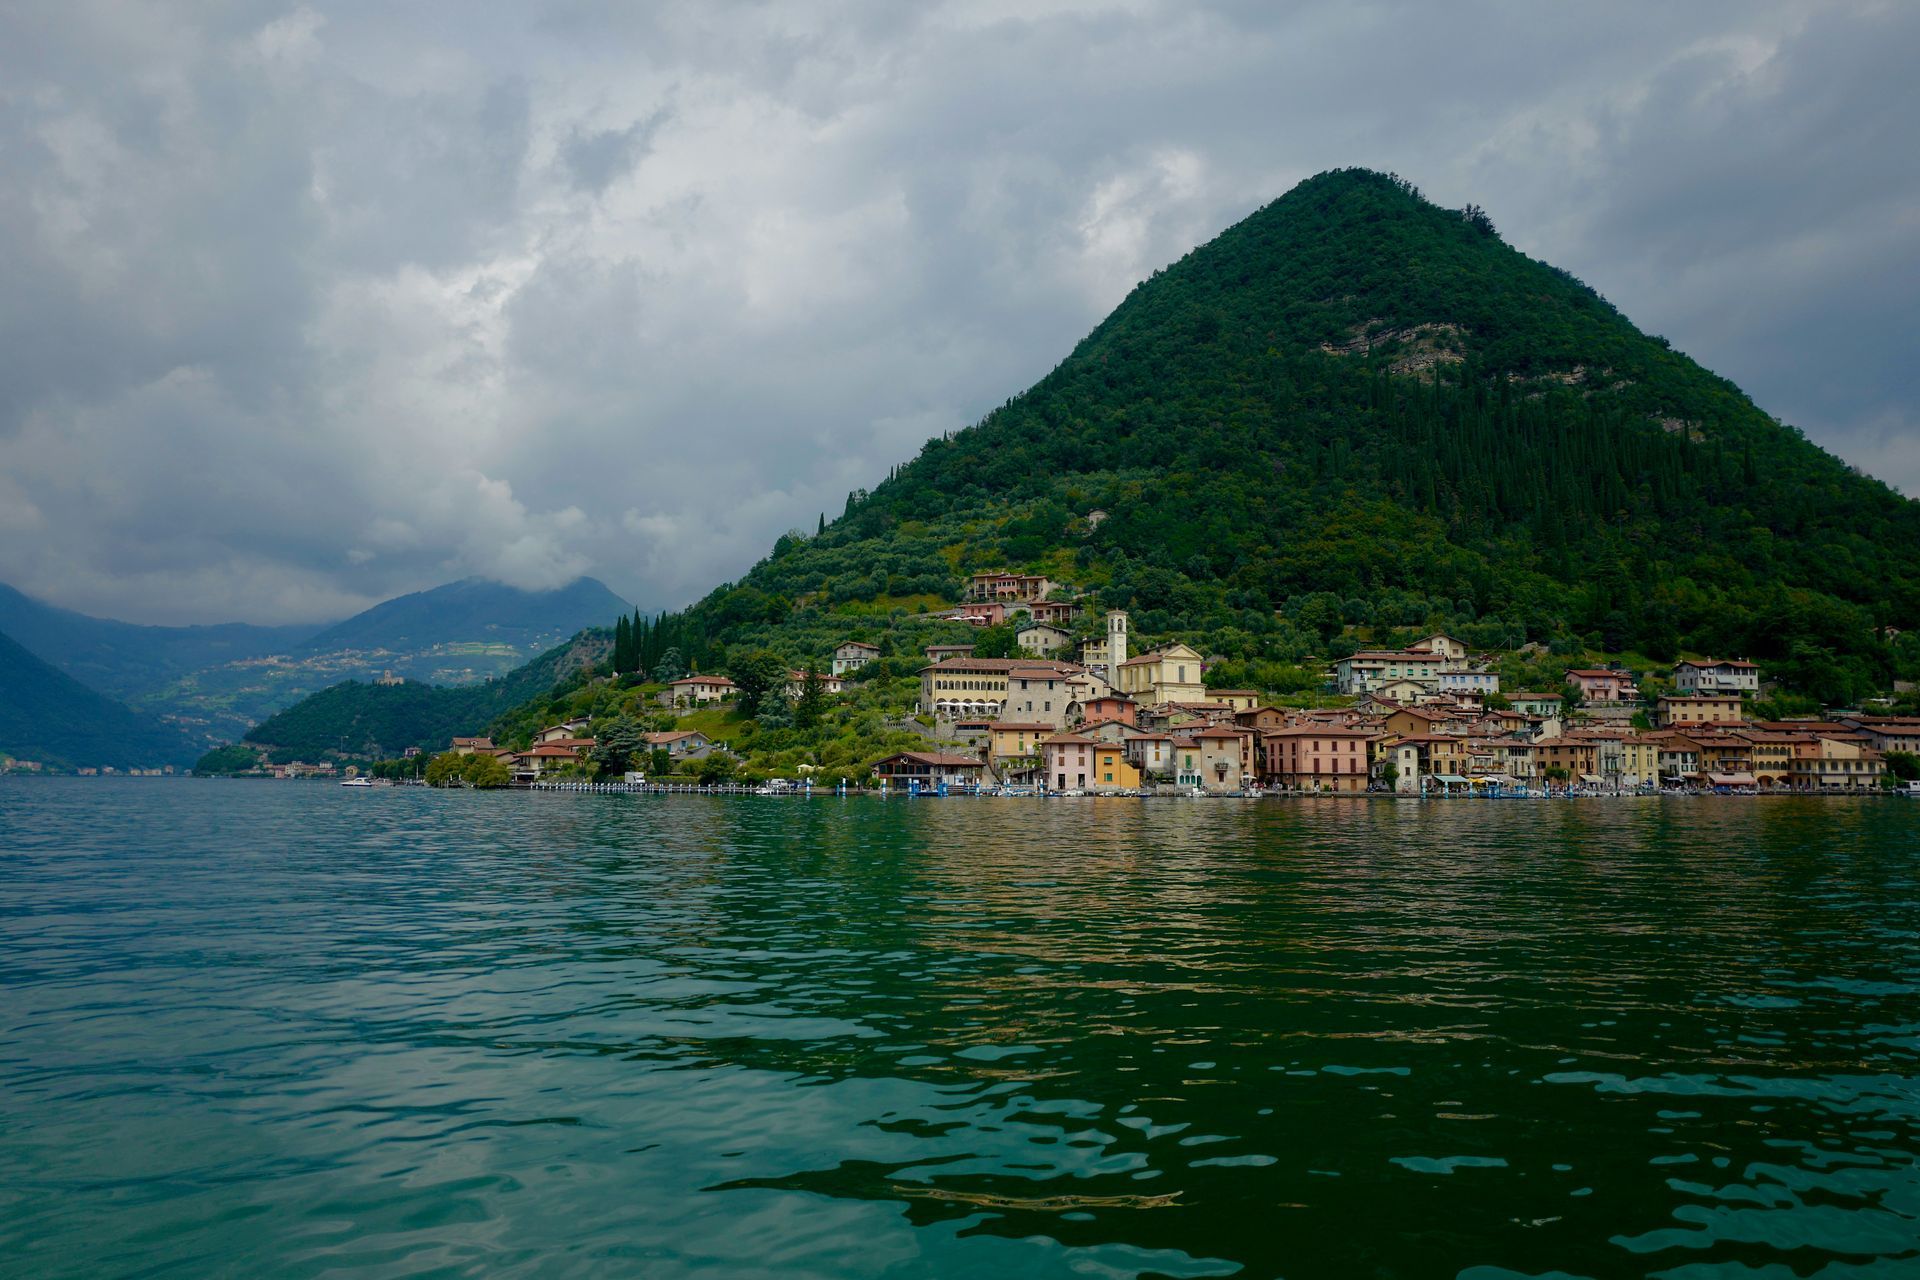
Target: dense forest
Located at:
point(49, 717)
point(1357, 409)
point(352, 718)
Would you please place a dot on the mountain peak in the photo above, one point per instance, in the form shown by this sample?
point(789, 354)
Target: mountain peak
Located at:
point(1356, 395)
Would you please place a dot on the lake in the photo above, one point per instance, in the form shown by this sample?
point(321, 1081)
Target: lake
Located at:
point(254, 1029)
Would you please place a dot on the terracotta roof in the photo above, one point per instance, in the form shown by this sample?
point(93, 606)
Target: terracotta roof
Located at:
point(1598, 673)
point(1035, 673)
point(1016, 725)
point(1066, 740)
point(1000, 666)
point(1716, 662)
point(1320, 732)
point(663, 739)
point(548, 751)
point(715, 680)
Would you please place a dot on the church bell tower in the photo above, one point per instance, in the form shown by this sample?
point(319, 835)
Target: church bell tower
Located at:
point(1116, 646)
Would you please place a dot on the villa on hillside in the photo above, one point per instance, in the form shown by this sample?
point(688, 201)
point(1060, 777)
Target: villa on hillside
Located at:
point(1598, 684)
point(1008, 587)
point(697, 691)
point(1685, 710)
point(689, 744)
point(1716, 676)
point(851, 655)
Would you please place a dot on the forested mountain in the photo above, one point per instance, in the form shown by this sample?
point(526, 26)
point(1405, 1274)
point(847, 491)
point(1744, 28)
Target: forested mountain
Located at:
point(474, 609)
point(127, 659)
point(215, 681)
point(371, 719)
point(48, 716)
point(1358, 408)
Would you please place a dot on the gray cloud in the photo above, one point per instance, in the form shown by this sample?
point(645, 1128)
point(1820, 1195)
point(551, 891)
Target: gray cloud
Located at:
point(304, 307)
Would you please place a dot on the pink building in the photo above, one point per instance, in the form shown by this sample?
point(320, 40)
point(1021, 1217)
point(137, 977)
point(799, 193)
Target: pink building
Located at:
point(1319, 758)
point(1597, 684)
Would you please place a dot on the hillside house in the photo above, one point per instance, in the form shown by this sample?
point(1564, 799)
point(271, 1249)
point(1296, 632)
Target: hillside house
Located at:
point(851, 655)
point(1361, 672)
point(1680, 710)
point(1043, 639)
point(942, 652)
point(1441, 643)
point(683, 744)
point(1716, 675)
point(831, 685)
point(1007, 587)
point(1600, 684)
point(698, 691)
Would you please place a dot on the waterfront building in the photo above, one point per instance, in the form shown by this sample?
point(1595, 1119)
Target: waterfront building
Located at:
point(929, 769)
point(1361, 672)
point(1827, 764)
point(1318, 758)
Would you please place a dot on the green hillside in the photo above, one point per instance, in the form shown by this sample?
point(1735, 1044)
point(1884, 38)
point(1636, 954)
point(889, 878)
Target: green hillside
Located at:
point(48, 716)
point(1358, 409)
point(384, 720)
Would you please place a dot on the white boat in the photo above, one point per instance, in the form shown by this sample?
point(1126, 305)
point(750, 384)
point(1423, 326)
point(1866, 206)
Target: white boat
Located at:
point(357, 782)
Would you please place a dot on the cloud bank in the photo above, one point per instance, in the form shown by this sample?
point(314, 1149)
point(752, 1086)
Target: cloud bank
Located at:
point(304, 307)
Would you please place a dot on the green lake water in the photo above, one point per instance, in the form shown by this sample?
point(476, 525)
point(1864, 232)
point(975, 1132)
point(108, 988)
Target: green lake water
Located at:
point(260, 1029)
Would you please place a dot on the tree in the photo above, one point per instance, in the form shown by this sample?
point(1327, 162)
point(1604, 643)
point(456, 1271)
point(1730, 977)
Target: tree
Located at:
point(812, 701)
point(756, 671)
point(996, 642)
point(618, 744)
point(671, 666)
point(1904, 765)
point(773, 712)
point(712, 769)
point(662, 762)
point(1570, 700)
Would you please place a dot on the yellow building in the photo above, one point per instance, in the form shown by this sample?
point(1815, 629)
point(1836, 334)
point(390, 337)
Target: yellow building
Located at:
point(1828, 764)
point(1684, 710)
point(1111, 772)
point(1170, 673)
point(1016, 740)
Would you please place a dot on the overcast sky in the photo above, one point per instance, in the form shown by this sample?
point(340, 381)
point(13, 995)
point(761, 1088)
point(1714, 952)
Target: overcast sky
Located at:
point(305, 306)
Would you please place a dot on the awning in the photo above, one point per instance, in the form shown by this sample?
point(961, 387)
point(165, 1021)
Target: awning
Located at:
point(1450, 779)
point(1733, 780)
point(1591, 777)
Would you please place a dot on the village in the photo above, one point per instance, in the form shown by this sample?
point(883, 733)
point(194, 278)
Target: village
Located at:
point(1072, 715)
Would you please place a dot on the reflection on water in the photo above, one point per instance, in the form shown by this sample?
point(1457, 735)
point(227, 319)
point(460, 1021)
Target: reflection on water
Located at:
point(278, 1028)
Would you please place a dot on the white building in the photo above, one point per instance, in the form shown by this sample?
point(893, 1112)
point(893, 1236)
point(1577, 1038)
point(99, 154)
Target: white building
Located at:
point(1469, 682)
point(1716, 676)
point(852, 655)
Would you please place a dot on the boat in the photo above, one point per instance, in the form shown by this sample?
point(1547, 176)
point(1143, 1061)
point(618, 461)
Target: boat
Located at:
point(357, 782)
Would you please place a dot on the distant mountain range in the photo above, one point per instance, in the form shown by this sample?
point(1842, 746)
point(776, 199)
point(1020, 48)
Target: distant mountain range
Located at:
point(213, 682)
